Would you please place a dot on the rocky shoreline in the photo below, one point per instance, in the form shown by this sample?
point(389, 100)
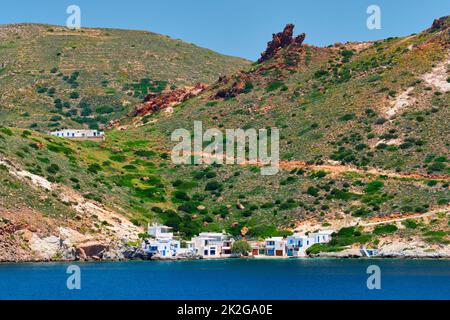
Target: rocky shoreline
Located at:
point(126, 253)
point(136, 254)
point(386, 254)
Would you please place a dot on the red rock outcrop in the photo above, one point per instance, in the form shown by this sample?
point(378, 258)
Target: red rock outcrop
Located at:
point(281, 40)
point(157, 101)
point(90, 250)
point(298, 40)
point(238, 86)
point(437, 23)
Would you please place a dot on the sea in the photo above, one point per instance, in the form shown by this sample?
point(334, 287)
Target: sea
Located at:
point(236, 279)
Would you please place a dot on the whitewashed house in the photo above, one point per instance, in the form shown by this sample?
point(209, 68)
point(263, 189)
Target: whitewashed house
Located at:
point(321, 236)
point(158, 231)
point(275, 246)
point(161, 247)
point(78, 134)
point(297, 244)
point(211, 245)
point(161, 241)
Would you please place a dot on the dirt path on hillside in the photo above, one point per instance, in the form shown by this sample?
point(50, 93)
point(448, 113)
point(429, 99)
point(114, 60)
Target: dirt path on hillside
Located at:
point(334, 168)
point(312, 224)
point(403, 217)
point(340, 169)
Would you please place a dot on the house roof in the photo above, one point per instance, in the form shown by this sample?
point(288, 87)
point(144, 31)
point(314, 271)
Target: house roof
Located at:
point(328, 232)
point(298, 235)
point(274, 239)
point(76, 130)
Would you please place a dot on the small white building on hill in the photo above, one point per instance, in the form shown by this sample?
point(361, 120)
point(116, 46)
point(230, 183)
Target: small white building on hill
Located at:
point(78, 134)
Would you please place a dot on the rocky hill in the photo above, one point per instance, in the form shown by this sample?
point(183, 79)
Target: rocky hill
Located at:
point(52, 77)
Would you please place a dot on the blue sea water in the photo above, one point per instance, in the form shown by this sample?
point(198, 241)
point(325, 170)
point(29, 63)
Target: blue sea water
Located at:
point(229, 279)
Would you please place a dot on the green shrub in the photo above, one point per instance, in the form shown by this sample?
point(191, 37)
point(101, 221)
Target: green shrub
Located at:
point(312, 191)
point(410, 223)
point(58, 148)
point(361, 212)
point(26, 134)
point(180, 195)
point(346, 232)
point(385, 229)
point(93, 197)
point(248, 87)
point(347, 53)
point(436, 167)
point(320, 247)
point(41, 89)
point(274, 85)
point(321, 73)
point(347, 117)
point(94, 168)
point(437, 236)
point(213, 185)
point(210, 175)
point(74, 180)
point(104, 109)
point(53, 168)
point(118, 158)
point(74, 95)
point(188, 207)
point(145, 153)
point(51, 91)
point(157, 209)
point(318, 174)
point(6, 131)
point(373, 186)
point(373, 78)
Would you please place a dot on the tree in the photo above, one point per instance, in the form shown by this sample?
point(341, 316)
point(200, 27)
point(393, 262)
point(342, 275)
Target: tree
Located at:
point(241, 247)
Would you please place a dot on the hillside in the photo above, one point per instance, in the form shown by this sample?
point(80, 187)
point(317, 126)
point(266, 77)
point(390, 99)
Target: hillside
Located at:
point(362, 134)
point(377, 104)
point(363, 141)
point(53, 77)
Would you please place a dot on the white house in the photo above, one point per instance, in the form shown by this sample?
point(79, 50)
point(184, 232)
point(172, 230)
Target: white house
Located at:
point(297, 244)
point(211, 245)
point(321, 236)
point(161, 241)
point(78, 134)
point(158, 231)
point(162, 246)
point(275, 246)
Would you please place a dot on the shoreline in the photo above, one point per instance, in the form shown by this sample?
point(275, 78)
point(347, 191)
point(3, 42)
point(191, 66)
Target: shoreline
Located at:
point(25, 262)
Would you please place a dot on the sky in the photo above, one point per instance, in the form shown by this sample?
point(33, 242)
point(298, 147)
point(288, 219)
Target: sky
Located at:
point(238, 27)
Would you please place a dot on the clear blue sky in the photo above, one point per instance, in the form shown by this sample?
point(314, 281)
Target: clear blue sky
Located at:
point(237, 27)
